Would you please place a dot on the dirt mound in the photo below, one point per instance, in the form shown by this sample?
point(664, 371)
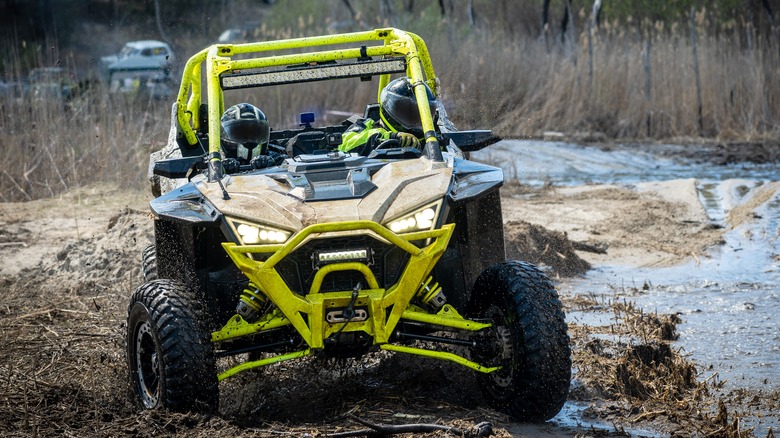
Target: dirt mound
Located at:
point(114, 256)
point(540, 246)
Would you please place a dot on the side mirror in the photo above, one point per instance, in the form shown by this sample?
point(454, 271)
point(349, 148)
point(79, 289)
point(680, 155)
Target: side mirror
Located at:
point(179, 167)
point(472, 141)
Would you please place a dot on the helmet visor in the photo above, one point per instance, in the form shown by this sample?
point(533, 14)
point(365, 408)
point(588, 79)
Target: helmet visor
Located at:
point(246, 132)
point(404, 112)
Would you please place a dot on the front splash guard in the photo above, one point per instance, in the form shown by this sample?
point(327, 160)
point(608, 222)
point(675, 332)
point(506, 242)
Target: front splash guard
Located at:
point(386, 307)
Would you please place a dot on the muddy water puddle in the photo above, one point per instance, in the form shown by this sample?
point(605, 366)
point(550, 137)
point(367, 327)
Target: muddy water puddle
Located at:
point(535, 163)
point(728, 299)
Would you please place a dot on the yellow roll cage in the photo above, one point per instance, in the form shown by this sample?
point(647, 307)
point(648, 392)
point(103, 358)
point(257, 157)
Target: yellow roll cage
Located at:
point(219, 62)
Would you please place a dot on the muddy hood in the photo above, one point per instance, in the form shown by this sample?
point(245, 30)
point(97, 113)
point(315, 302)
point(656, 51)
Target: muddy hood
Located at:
point(400, 188)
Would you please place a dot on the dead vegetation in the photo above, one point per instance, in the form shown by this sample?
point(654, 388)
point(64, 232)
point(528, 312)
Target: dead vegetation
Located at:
point(629, 371)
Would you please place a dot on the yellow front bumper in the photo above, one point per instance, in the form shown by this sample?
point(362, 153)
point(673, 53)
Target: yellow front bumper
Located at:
point(386, 307)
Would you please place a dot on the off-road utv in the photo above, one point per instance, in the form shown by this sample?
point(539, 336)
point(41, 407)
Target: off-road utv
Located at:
point(332, 253)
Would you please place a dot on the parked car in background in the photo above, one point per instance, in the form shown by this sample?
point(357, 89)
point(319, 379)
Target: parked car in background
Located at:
point(242, 34)
point(50, 83)
point(137, 65)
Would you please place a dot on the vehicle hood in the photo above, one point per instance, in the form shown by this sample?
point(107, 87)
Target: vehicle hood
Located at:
point(401, 187)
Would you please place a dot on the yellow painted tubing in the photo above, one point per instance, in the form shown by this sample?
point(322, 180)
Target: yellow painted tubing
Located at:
point(190, 83)
point(263, 362)
point(238, 327)
point(441, 355)
point(349, 266)
point(444, 321)
point(218, 59)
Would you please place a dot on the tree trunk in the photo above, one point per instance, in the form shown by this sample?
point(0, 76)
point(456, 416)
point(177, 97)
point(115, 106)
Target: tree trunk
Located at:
point(352, 11)
point(772, 24)
point(592, 26)
point(545, 15)
point(158, 20)
point(696, 72)
point(386, 10)
point(568, 33)
point(595, 14)
point(648, 83)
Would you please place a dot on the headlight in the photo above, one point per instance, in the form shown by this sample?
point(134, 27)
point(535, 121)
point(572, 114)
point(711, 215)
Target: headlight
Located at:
point(251, 234)
point(421, 220)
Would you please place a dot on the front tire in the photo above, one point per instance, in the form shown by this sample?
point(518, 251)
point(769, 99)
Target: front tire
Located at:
point(169, 352)
point(528, 340)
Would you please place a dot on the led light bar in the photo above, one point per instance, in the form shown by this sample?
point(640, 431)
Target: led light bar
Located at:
point(351, 255)
point(313, 73)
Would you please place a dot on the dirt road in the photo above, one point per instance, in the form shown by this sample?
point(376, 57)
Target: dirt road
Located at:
point(68, 265)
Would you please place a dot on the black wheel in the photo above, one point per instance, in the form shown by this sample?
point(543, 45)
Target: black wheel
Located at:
point(528, 340)
point(149, 263)
point(169, 352)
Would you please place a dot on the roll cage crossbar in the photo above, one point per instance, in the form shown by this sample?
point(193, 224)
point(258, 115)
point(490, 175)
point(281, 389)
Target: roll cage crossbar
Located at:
point(261, 65)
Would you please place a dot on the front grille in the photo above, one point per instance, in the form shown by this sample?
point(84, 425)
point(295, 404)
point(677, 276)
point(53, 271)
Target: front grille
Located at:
point(297, 271)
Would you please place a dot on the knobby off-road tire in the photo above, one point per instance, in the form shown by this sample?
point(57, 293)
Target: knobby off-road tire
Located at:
point(169, 352)
point(149, 263)
point(529, 340)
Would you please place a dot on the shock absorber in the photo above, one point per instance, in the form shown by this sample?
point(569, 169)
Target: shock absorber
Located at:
point(251, 303)
point(431, 295)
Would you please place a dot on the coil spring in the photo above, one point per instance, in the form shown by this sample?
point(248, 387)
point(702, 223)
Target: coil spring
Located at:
point(251, 303)
point(431, 295)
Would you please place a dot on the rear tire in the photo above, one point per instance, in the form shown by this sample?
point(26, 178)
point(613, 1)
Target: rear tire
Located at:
point(169, 352)
point(149, 263)
point(528, 340)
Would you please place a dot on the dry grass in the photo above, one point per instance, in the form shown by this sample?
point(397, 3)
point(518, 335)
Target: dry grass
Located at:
point(499, 78)
point(525, 88)
point(49, 146)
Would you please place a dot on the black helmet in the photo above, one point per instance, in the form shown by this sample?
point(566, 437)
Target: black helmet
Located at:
point(244, 127)
point(399, 106)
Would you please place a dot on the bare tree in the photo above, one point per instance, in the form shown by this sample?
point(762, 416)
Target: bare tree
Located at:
point(386, 10)
point(592, 26)
point(772, 24)
point(158, 20)
point(545, 15)
point(470, 13)
point(352, 11)
point(595, 14)
point(696, 71)
point(568, 34)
